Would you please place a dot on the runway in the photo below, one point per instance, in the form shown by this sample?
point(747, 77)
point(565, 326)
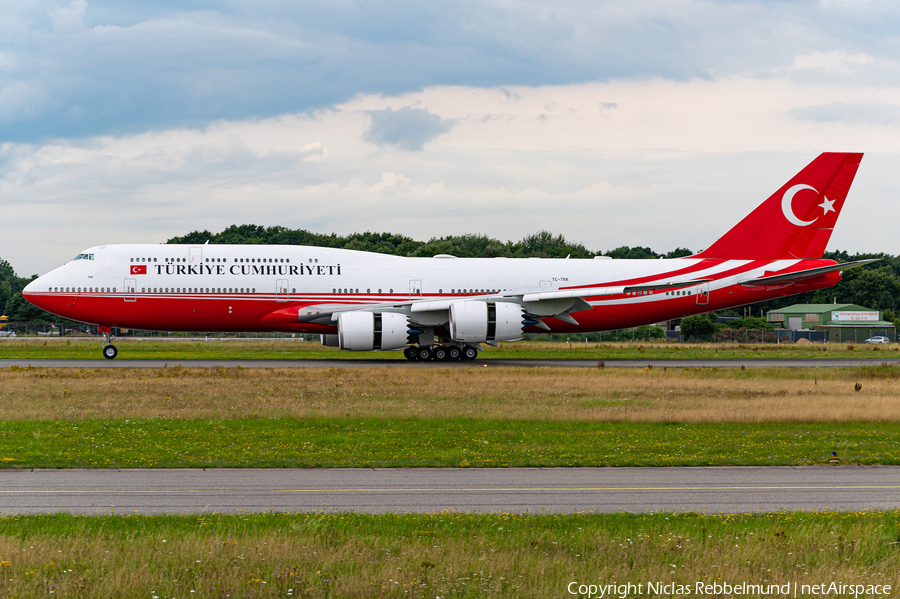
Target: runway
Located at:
point(513, 490)
point(515, 363)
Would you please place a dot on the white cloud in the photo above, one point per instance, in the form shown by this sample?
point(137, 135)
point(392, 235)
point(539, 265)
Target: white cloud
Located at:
point(838, 61)
point(69, 19)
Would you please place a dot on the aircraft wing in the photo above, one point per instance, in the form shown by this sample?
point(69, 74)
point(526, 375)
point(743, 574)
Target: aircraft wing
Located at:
point(537, 304)
point(802, 275)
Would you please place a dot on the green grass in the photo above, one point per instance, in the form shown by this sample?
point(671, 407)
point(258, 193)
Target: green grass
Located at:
point(445, 554)
point(342, 442)
point(295, 349)
point(282, 349)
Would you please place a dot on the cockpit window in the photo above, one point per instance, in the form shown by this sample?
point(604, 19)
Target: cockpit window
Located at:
point(84, 257)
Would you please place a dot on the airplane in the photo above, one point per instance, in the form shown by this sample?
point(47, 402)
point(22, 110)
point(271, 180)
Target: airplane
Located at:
point(444, 307)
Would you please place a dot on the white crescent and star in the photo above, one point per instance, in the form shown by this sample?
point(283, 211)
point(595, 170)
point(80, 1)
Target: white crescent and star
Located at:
point(788, 197)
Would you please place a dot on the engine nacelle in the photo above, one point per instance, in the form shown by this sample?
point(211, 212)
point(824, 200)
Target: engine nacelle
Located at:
point(476, 322)
point(329, 340)
point(367, 331)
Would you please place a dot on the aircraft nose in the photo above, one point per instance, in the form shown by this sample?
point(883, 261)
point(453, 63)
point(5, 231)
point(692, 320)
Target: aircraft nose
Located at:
point(30, 293)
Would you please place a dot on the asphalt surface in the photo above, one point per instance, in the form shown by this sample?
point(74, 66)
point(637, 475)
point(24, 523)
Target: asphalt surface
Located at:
point(613, 363)
point(516, 490)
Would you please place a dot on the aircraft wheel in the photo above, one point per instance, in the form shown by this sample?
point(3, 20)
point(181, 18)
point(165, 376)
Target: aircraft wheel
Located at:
point(453, 353)
point(424, 353)
point(469, 353)
point(110, 352)
point(411, 353)
point(440, 353)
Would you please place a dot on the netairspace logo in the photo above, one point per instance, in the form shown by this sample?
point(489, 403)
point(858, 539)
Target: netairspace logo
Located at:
point(790, 589)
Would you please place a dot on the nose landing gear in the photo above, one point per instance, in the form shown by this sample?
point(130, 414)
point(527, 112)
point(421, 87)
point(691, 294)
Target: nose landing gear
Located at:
point(109, 350)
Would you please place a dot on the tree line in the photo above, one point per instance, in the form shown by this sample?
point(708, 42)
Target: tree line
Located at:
point(875, 286)
point(542, 244)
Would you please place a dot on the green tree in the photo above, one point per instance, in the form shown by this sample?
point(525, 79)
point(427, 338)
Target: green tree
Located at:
point(648, 332)
point(748, 322)
point(699, 326)
point(632, 253)
point(876, 289)
point(6, 271)
point(679, 253)
point(20, 310)
point(545, 244)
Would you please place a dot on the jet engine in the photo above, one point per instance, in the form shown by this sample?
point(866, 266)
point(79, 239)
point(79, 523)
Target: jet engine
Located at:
point(476, 322)
point(367, 331)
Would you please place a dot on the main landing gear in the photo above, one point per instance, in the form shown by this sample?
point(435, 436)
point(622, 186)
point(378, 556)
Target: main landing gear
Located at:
point(441, 353)
point(109, 350)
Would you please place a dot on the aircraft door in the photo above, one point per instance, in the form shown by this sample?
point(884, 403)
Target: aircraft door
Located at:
point(702, 294)
point(130, 290)
point(546, 285)
point(281, 290)
point(196, 255)
point(415, 290)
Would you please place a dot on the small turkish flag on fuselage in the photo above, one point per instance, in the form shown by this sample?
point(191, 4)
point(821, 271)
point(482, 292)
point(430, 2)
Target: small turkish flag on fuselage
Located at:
point(139, 270)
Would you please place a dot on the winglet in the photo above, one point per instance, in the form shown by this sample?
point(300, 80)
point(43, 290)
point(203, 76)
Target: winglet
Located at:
point(797, 220)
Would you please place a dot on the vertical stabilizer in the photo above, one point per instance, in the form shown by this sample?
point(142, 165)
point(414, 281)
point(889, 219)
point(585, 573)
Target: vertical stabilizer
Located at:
point(796, 221)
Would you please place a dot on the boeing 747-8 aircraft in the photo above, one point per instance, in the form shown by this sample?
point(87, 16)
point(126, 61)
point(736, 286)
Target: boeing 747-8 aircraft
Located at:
point(445, 307)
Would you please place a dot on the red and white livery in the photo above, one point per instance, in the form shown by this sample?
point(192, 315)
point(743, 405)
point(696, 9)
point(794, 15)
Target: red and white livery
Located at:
point(444, 307)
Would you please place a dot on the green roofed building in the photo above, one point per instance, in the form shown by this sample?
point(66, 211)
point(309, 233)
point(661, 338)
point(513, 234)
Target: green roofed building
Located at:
point(841, 323)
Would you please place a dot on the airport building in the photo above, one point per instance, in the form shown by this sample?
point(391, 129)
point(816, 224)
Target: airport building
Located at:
point(840, 323)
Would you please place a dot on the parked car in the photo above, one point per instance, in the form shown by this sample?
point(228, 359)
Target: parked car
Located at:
point(878, 339)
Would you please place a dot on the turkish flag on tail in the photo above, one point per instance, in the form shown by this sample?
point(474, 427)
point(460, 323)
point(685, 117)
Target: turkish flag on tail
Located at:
point(796, 221)
point(139, 270)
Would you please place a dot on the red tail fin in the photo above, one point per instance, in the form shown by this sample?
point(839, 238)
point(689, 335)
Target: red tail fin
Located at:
point(797, 220)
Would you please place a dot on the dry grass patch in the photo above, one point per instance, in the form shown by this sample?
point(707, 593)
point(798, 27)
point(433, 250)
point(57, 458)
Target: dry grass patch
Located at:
point(599, 395)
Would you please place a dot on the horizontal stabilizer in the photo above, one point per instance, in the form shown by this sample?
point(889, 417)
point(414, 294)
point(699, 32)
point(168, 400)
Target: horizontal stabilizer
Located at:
point(802, 275)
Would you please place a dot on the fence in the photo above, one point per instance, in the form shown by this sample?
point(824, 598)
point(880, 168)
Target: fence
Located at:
point(793, 336)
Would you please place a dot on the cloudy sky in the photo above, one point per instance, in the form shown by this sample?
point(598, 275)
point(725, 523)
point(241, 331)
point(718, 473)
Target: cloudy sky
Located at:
point(634, 122)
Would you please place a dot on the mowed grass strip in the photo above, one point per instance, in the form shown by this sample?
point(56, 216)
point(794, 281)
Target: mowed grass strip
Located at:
point(297, 349)
point(343, 442)
point(710, 395)
point(438, 555)
point(476, 416)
